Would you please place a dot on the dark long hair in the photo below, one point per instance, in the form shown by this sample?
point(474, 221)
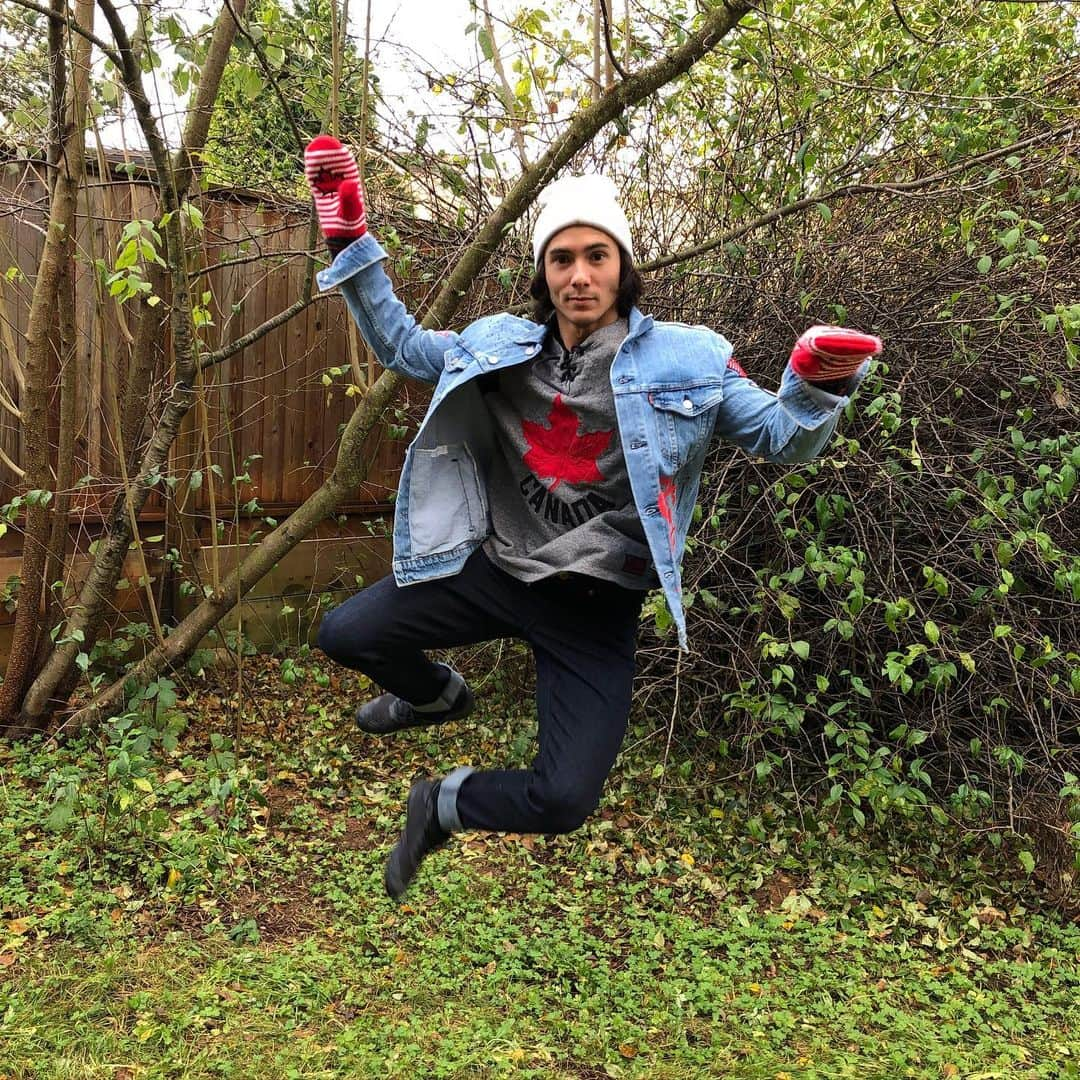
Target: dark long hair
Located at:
point(631, 286)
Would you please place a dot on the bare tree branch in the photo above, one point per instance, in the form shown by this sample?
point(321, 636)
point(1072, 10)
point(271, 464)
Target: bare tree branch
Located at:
point(612, 59)
point(75, 28)
point(904, 23)
point(218, 356)
point(902, 188)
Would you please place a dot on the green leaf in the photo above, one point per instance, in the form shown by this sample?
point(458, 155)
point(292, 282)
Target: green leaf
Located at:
point(129, 255)
point(984, 264)
point(1027, 861)
point(61, 814)
point(1068, 481)
point(252, 84)
point(1009, 240)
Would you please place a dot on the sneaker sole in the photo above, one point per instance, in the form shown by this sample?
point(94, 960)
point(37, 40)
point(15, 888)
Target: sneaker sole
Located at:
point(418, 720)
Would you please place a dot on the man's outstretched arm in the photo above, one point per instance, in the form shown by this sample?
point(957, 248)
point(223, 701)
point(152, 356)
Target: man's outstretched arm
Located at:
point(398, 341)
point(826, 366)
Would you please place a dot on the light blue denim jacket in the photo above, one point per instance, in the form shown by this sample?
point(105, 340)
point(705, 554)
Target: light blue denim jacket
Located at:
point(673, 391)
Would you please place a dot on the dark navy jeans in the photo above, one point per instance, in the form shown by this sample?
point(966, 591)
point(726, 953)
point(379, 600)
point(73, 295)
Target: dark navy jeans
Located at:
point(583, 635)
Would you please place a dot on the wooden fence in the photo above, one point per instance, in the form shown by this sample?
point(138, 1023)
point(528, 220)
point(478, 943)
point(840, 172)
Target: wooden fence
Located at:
point(265, 413)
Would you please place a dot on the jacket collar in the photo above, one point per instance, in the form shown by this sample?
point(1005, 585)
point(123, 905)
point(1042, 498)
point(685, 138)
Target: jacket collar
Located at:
point(638, 324)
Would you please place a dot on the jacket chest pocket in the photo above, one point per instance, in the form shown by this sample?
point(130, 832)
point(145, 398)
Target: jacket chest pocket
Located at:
point(684, 420)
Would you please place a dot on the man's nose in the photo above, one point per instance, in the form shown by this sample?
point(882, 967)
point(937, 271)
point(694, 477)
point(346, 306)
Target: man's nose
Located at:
point(580, 276)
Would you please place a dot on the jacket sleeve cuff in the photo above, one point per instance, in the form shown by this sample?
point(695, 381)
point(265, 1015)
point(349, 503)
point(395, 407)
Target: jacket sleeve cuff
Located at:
point(810, 405)
point(360, 254)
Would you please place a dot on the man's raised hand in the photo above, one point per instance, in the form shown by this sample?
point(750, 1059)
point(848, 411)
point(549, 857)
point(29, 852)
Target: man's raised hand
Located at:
point(334, 180)
point(827, 353)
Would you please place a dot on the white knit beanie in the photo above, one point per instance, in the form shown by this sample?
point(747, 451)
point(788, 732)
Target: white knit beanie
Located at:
point(580, 200)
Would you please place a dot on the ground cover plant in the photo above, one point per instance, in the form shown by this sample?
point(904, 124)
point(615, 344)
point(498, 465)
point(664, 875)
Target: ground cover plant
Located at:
point(196, 891)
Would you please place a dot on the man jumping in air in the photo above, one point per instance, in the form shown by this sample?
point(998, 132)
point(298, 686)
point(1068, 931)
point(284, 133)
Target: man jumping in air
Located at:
point(551, 484)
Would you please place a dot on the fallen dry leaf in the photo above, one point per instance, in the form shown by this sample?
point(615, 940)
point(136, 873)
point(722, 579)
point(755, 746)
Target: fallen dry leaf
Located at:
point(990, 915)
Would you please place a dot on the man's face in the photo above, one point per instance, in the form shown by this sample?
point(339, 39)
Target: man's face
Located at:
point(582, 267)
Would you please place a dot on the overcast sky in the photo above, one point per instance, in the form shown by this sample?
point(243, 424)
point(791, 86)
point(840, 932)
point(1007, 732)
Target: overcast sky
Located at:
point(401, 31)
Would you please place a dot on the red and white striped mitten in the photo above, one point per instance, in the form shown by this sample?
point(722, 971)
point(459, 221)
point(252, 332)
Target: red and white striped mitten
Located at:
point(334, 180)
point(831, 354)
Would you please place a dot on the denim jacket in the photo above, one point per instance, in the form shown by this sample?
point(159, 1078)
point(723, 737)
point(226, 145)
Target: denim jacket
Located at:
point(675, 387)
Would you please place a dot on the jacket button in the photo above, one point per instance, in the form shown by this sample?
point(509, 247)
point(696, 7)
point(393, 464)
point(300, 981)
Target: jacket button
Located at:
point(492, 360)
point(687, 403)
point(636, 445)
point(623, 379)
point(651, 511)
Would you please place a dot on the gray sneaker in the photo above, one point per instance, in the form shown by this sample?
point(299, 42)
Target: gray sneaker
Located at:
point(388, 713)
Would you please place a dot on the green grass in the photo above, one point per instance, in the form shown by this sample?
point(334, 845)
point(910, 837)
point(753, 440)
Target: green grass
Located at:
point(654, 943)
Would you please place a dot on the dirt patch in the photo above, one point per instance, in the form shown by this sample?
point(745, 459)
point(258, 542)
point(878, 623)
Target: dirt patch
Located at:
point(773, 891)
point(285, 910)
point(580, 1071)
point(362, 834)
point(279, 910)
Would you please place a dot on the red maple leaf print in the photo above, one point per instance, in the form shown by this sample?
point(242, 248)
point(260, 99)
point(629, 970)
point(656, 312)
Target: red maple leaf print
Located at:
point(559, 453)
point(666, 506)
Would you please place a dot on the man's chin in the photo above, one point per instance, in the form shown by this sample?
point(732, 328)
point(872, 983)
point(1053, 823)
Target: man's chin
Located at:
point(589, 315)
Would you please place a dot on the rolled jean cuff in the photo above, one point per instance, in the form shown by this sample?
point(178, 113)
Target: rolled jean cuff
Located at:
point(446, 807)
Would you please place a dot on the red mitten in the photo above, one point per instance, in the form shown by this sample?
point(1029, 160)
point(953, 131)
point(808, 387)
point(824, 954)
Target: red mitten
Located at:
point(334, 180)
point(826, 353)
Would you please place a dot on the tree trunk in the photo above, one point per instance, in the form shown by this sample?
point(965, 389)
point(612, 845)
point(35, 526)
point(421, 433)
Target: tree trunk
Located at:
point(65, 330)
point(146, 352)
point(350, 469)
point(65, 450)
point(35, 405)
point(174, 178)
